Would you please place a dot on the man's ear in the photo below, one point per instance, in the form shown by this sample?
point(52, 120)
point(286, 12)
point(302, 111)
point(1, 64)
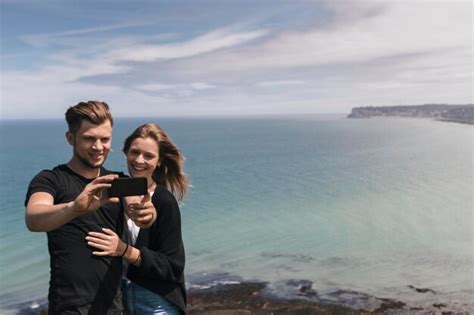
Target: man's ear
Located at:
point(70, 137)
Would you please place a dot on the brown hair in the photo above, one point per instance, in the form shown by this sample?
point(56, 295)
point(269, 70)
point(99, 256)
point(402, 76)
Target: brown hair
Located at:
point(170, 172)
point(94, 111)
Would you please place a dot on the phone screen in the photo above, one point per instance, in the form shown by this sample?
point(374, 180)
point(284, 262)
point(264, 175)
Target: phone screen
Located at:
point(128, 186)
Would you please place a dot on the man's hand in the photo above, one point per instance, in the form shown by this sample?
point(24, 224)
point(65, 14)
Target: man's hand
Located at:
point(94, 195)
point(141, 210)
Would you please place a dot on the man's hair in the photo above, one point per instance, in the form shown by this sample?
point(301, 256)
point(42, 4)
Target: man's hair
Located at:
point(95, 112)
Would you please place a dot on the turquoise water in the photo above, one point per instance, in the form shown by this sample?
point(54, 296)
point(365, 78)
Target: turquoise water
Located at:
point(371, 206)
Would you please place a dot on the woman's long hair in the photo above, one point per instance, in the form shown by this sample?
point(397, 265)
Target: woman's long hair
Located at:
point(170, 171)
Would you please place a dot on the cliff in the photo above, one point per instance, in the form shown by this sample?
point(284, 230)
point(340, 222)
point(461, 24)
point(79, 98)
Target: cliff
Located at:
point(454, 113)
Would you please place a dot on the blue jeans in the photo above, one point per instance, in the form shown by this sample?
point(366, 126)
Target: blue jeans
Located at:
point(140, 301)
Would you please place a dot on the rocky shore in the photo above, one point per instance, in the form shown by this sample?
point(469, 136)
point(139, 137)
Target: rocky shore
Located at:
point(253, 298)
point(216, 294)
point(250, 298)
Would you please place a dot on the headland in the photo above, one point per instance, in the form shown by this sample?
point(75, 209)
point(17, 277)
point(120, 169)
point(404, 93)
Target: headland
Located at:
point(443, 112)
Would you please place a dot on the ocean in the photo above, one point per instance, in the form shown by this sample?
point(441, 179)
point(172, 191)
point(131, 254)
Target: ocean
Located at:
point(368, 207)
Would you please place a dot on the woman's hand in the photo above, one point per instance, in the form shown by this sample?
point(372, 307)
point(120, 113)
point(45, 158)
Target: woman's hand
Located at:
point(141, 211)
point(107, 241)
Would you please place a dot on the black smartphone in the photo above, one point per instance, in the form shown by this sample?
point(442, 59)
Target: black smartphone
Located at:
point(128, 186)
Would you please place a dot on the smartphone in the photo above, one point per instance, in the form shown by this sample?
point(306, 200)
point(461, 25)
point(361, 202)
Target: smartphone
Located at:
point(128, 186)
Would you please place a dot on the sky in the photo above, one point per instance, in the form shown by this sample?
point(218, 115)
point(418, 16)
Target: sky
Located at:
point(151, 58)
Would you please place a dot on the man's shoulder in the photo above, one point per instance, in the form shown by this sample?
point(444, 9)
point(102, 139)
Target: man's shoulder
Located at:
point(49, 181)
point(57, 177)
point(63, 171)
point(105, 171)
point(54, 172)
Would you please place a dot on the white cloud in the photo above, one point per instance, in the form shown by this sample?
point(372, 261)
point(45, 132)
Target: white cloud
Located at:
point(46, 39)
point(206, 43)
point(158, 87)
point(201, 86)
point(155, 87)
point(400, 28)
point(279, 83)
point(385, 52)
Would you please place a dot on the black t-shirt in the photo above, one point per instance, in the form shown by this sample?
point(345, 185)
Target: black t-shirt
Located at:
point(79, 278)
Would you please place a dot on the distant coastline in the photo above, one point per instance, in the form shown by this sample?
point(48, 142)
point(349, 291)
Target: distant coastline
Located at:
point(443, 112)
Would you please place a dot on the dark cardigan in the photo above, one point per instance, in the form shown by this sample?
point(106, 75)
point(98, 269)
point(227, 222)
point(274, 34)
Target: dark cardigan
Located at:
point(162, 252)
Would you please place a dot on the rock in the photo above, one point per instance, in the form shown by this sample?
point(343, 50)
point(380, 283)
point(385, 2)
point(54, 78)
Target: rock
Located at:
point(304, 287)
point(422, 290)
point(439, 305)
point(389, 304)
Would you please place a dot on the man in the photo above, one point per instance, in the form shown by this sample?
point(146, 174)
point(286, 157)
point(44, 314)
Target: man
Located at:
point(68, 202)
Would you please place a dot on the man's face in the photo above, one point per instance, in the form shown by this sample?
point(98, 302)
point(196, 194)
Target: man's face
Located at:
point(91, 143)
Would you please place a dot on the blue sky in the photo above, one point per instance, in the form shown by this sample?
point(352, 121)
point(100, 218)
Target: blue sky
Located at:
point(201, 58)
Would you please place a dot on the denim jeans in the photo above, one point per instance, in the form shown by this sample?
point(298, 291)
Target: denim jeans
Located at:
point(140, 301)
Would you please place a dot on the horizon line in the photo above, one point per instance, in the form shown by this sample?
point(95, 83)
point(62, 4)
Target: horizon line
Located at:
point(186, 116)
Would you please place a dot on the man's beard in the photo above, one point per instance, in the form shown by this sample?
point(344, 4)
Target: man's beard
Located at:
point(87, 163)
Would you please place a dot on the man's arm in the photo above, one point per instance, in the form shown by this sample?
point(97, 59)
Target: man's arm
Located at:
point(42, 215)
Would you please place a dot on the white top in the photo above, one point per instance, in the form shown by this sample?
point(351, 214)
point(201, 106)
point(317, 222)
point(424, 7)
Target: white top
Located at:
point(131, 231)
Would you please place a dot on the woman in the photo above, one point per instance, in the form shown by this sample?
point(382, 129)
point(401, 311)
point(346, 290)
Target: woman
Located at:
point(153, 258)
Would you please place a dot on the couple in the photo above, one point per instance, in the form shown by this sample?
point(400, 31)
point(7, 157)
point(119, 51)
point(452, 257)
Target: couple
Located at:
point(102, 248)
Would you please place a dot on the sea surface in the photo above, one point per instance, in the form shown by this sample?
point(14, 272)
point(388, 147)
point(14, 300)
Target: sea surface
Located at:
point(372, 208)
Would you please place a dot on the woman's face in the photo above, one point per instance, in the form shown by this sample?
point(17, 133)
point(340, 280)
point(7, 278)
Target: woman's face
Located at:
point(143, 157)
